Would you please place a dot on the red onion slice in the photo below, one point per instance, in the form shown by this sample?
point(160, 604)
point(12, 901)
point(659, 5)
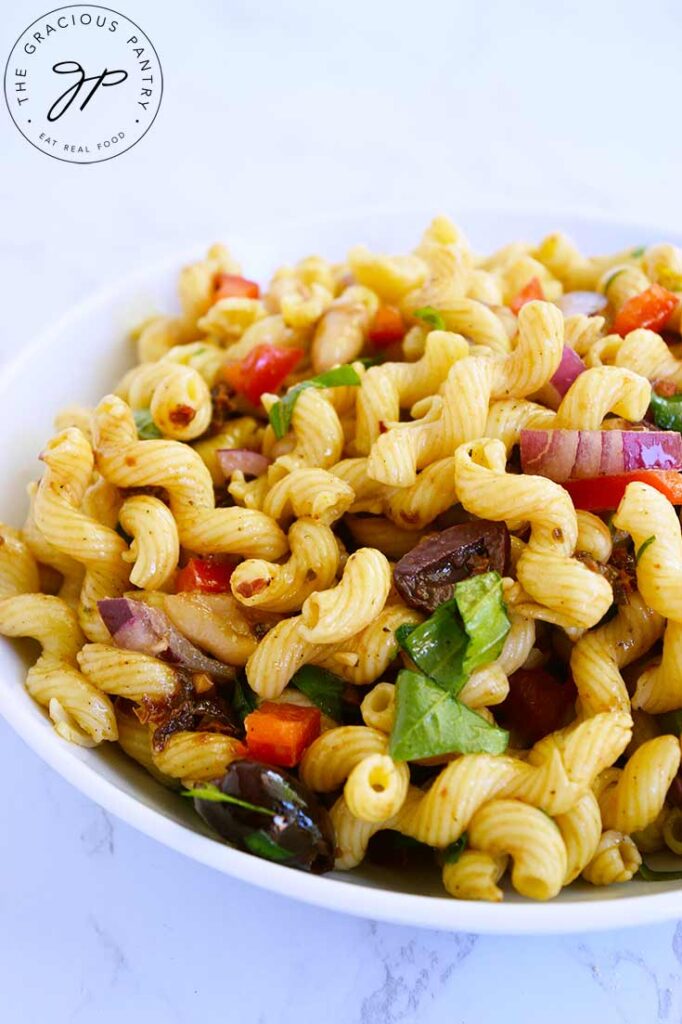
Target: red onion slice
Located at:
point(582, 454)
point(250, 463)
point(586, 303)
point(570, 367)
point(135, 626)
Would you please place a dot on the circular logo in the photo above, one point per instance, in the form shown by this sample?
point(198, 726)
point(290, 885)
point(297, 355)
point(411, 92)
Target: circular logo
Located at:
point(83, 83)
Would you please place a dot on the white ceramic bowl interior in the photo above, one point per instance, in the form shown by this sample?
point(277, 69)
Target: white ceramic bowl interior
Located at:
point(78, 361)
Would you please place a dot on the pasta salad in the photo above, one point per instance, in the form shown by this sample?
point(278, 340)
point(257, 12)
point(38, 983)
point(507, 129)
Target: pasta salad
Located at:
point(383, 560)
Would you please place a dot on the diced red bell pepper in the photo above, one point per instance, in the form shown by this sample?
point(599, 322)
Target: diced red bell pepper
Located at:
point(387, 327)
point(537, 704)
point(279, 733)
point(208, 575)
point(651, 308)
point(232, 286)
point(263, 369)
point(602, 493)
point(533, 290)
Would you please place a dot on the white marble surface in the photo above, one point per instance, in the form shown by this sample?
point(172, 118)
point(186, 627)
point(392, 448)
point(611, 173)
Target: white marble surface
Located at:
point(281, 110)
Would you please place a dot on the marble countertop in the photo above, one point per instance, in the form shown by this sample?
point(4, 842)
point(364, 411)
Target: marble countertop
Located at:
point(279, 110)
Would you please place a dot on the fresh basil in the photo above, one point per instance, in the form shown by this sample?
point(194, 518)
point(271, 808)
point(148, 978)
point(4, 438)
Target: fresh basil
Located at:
point(637, 253)
point(147, 429)
point(431, 317)
point(212, 793)
point(323, 688)
point(281, 412)
point(437, 646)
point(462, 634)
point(263, 846)
point(454, 851)
point(244, 700)
point(651, 875)
point(430, 721)
point(667, 411)
point(484, 614)
point(643, 546)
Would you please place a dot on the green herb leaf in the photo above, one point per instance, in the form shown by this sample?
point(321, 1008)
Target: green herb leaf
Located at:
point(667, 411)
point(263, 846)
point(454, 851)
point(438, 646)
point(211, 792)
point(643, 546)
point(431, 317)
point(281, 412)
point(637, 253)
point(323, 688)
point(244, 700)
point(462, 634)
point(430, 721)
point(651, 875)
point(368, 361)
point(484, 614)
point(402, 632)
point(147, 429)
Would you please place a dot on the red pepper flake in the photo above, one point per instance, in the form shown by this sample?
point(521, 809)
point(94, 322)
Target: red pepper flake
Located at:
point(250, 587)
point(665, 388)
point(182, 415)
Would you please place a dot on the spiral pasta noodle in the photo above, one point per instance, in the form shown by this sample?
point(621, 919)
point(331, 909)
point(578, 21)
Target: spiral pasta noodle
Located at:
point(128, 462)
point(69, 463)
point(546, 568)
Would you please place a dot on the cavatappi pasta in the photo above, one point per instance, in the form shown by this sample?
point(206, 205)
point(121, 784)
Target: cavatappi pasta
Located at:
point(405, 526)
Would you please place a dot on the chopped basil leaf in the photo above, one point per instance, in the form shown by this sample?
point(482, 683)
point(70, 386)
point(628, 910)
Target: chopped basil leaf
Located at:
point(147, 429)
point(212, 793)
point(484, 614)
point(402, 632)
point(667, 411)
point(431, 317)
point(323, 688)
point(430, 721)
point(263, 846)
point(244, 700)
point(637, 253)
point(438, 646)
point(651, 875)
point(462, 634)
point(643, 546)
point(281, 412)
point(454, 851)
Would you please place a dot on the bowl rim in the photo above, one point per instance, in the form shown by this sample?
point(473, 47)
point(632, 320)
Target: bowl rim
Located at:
point(330, 892)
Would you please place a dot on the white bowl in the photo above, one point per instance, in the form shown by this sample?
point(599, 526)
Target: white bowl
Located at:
point(79, 360)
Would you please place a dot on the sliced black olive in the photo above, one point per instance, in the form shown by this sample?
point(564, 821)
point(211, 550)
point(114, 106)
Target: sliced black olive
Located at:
point(283, 821)
point(426, 576)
